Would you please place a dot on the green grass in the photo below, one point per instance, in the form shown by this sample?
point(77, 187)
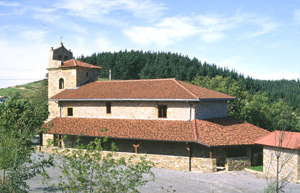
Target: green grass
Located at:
point(257, 168)
point(29, 90)
point(36, 89)
point(103, 79)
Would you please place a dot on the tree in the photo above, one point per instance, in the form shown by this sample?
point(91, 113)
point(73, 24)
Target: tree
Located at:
point(20, 121)
point(256, 108)
point(88, 169)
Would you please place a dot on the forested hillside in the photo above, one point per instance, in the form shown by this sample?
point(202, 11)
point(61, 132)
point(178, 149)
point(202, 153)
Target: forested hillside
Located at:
point(145, 65)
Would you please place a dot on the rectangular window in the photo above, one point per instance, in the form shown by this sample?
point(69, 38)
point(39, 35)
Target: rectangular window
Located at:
point(162, 111)
point(70, 112)
point(108, 107)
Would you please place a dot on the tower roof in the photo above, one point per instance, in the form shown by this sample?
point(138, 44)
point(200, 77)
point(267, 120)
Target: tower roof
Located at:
point(77, 63)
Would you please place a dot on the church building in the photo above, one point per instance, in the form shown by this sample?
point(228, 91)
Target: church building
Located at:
point(175, 124)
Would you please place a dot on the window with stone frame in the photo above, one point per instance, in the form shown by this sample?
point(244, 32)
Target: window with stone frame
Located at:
point(108, 107)
point(70, 112)
point(162, 111)
point(61, 83)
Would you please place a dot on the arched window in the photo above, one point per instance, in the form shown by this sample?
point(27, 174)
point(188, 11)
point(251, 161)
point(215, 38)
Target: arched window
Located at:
point(61, 83)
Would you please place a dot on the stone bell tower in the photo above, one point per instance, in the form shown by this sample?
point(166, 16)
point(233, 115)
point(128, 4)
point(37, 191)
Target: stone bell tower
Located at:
point(59, 78)
point(64, 72)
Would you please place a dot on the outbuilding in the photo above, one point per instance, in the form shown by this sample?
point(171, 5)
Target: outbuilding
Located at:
point(281, 147)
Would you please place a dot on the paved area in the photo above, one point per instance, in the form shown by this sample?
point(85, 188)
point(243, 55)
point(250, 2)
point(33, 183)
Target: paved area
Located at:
point(225, 182)
point(190, 182)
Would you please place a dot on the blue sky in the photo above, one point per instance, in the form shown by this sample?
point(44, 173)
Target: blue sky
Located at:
point(256, 38)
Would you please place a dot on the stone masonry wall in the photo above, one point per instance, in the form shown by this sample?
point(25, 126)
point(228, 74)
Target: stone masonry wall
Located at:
point(289, 161)
point(237, 163)
point(212, 109)
point(85, 75)
point(127, 110)
point(69, 76)
point(163, 161)
point(53, 109)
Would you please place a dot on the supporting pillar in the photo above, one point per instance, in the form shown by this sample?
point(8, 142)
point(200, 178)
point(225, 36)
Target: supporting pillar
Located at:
point(136, 147)
point(211, 155)
point(189, 147)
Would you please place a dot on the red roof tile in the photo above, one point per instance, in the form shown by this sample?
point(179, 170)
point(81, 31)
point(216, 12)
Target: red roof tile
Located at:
point(216, 132)
point(284, 139)
point(227, 131)
point(142, 89)
point(76, 63)
point(124, 128)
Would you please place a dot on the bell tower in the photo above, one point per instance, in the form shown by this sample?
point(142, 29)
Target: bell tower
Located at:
point(64, 72)
point(60, 78)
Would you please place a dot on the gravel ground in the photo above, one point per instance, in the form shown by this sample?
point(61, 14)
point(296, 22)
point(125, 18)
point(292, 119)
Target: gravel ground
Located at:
point(186, 182)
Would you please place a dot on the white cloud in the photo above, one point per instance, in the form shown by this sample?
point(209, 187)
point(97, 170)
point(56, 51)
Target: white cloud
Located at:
point(9, 4)
point(96, 9)
point(163, 33)
point(214, 27)
point(210, 28)
point(266, 27)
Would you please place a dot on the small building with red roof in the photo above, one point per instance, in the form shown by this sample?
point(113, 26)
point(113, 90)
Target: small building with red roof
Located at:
point(2, 98)
point(285, 147)
point(162, 117)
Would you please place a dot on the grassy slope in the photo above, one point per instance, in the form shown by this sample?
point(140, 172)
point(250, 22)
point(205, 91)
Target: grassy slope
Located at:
point(27, 90)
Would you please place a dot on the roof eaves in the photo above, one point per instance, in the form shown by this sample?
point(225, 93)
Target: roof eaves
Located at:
point(218, 99)
point(124, 99)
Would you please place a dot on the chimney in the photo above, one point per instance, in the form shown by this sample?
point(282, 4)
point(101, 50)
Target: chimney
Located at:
point(109, 74)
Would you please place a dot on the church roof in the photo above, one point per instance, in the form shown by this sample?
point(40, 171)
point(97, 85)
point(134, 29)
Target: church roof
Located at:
point(211, 133)
point(77, 63)
point(148, 90)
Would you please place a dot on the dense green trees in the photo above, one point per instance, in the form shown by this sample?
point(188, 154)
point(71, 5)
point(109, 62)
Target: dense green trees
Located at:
point(256, 108)
point(144, 65)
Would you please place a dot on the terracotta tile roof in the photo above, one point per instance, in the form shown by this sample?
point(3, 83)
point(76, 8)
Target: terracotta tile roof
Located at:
point(216, 132)
point(124, 128)
point(163, 89)
point(76, 63)
point(227, 131)
point(284, 139)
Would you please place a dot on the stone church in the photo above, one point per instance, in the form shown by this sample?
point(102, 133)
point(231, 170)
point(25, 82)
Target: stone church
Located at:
point(175, 124)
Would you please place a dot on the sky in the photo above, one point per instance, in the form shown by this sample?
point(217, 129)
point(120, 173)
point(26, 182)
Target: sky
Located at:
point(256, 38)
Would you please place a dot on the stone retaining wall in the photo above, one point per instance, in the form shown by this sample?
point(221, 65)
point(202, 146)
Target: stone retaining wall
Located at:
point(180, 163)
point(237, 163)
